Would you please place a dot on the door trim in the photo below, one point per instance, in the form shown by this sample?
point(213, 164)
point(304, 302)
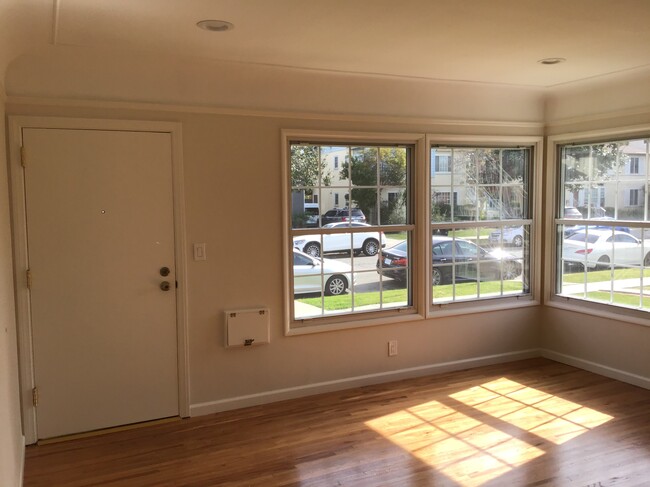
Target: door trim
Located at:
point(21, 261)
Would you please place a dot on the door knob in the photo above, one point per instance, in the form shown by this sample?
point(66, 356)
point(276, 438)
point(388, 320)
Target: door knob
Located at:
point(164, 271)
point(165, 286)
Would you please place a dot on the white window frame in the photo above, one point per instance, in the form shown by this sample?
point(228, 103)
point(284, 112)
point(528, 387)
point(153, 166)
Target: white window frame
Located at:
point(553, 196)
point(416, 312)
point(535, 200)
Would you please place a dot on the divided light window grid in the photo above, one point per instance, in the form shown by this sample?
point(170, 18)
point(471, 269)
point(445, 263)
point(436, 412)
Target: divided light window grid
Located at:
point(603, 223)
point(481, 236)
point(350, 206)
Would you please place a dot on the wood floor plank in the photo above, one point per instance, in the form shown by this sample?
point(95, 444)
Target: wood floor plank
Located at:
point(528, 423)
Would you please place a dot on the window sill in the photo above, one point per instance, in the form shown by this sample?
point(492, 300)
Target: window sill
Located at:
point(600, 310)
point(440, 311)
point(322, 327)
point(471, 307)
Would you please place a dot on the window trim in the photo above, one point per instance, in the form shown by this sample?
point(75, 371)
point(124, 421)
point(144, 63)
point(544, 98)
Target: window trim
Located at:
point(536, 143)
point(346, 321)
point(553, 196)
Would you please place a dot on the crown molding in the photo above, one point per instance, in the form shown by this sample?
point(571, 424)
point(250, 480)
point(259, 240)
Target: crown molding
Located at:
point(563, 122)
point(245, 112)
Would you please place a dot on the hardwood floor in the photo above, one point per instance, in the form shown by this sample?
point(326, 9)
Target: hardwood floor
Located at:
point(533, 422)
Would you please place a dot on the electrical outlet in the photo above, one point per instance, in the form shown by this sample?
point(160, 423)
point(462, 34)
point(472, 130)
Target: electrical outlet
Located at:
point(392, 348)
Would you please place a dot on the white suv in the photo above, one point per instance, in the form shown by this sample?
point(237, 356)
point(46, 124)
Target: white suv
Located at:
point(367, 242)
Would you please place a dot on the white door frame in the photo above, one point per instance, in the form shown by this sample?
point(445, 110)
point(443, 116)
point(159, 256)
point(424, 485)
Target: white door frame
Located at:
point(19, 232)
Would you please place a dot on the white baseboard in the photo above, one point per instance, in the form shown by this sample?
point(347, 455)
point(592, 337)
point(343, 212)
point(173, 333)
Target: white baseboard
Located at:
point(612, 373)
point(350, 382)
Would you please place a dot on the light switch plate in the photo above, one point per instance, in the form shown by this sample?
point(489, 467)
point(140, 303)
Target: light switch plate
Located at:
point(199, 251)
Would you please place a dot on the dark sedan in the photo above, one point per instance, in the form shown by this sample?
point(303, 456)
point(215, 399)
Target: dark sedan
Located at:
point(459, 257)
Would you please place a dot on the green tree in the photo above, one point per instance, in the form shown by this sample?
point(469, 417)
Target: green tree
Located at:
point(306, 168)
point(370, 167)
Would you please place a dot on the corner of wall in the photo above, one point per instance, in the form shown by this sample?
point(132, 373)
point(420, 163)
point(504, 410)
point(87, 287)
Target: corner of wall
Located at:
point(12, 442)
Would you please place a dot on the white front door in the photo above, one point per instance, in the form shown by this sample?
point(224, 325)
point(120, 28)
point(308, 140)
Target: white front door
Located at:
point(99, 213)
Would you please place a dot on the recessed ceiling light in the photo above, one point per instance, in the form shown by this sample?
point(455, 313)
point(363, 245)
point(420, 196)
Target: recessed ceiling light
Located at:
point(215, 25)
point(551, 60)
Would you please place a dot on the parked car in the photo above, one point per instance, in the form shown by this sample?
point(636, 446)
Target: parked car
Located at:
point(312, 212)
point(601, 248)
point(311, 273)
point(471, 262)
point(509, 236)
point(343, 215)
point(393, 262)
point(576, 228)
point(367, 242)
point(453, 257)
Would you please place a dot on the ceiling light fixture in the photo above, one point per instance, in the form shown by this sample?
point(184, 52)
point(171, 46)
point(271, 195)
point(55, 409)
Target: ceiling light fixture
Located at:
point(552, 60)
point(215, 25)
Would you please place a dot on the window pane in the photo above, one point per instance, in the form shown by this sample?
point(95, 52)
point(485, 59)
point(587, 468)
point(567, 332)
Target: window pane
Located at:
point(480, 261)
point(393, 206)
point(489, 166)
point(366, 200)
point(606, 259)
point(305, 167)
point(338, 262)
point(393, 166)
point(363, 166)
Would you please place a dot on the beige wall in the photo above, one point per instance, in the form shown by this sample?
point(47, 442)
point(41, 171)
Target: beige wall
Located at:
point(11, 440)
point(234, 204)
point(608, 343)
point(581, 338)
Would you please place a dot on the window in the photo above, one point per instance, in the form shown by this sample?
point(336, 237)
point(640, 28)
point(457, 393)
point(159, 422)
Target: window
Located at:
point(356, 262)
point(481, 239)
point(603, 258)
point(441, 163)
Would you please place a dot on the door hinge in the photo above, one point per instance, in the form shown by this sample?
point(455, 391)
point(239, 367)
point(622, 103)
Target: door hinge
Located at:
point(23, 160)
point(29, 279)
point(35, 396)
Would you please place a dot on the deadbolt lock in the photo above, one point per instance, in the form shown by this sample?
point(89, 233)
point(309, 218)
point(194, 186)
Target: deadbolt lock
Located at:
point(164, 271)
point(165, 286)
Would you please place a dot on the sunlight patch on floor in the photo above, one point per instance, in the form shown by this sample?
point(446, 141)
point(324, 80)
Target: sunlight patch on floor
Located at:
point(549, 417)
point(472, 447)
point(463, 448)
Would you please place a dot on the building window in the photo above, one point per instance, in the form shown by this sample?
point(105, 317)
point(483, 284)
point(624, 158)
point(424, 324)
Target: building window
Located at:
point(603, 256)
point(480, 240)
point(633, 197)
point(353, 262)
point(441, 163)
point(336, 162)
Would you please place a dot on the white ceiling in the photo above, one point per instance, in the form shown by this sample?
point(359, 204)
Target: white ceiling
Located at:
point(488, 41)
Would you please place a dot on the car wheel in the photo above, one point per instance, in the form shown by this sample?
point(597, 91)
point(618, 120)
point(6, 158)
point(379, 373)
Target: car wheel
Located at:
point(336, 285)
point(370, 247)
point(603, 262)
point(518, 241)
point(436, 277)
point(509, 271)
point(646, 260)
point(313, 249)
